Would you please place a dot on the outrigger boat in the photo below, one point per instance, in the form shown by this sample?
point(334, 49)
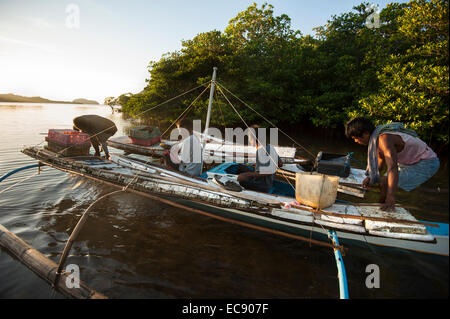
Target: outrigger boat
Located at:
point(278, 210)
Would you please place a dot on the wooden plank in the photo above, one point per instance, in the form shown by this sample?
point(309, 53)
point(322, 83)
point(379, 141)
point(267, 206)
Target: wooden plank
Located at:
point(391, 220)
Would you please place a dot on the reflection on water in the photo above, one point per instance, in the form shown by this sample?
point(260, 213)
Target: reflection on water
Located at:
point(132, 247)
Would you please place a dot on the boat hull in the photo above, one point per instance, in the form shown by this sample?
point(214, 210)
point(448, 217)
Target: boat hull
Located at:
point(438, 247)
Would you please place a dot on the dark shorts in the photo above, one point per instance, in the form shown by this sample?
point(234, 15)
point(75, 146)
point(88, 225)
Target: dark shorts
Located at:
point(259, 184)
point(169, 162)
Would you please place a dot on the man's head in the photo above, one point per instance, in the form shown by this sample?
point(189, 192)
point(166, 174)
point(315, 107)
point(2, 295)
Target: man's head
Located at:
point(253, 135)
point(186, 124)
point(254, 139)
point(359, 129)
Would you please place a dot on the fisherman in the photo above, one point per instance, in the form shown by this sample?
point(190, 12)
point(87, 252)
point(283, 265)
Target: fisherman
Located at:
point(409, 161)
point(187, 155)
point(100, 129)
point(267, 162)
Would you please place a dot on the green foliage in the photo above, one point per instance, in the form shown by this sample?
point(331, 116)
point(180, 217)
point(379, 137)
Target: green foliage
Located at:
point(395, 72)
point(415, 84)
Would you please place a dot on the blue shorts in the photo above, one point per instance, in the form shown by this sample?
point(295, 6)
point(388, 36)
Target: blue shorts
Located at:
point(411, 176)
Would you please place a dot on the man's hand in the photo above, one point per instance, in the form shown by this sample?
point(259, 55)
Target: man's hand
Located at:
point(389, 204)
point(366, 183)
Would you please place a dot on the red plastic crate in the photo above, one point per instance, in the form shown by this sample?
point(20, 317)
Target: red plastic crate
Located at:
point(68, 137)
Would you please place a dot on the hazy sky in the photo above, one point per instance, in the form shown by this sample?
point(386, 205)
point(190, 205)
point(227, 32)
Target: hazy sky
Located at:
point(46, 51)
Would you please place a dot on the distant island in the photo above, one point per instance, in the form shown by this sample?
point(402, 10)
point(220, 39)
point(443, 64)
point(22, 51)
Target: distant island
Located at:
point(37, 99)
point(84, 101)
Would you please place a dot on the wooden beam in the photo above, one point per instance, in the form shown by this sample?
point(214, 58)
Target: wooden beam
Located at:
point(377, 219)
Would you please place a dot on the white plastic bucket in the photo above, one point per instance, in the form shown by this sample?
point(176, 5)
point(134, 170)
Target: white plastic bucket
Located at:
point(316, 190)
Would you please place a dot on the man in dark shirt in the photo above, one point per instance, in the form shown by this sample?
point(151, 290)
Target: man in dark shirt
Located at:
point(100, 129)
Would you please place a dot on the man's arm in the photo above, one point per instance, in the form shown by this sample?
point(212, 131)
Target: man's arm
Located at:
point(366, 182)
point(386, 144)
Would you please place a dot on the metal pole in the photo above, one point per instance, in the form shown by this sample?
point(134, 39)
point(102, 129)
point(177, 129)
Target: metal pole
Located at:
point(211, 95)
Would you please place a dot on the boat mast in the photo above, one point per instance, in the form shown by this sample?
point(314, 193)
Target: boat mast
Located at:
point(211, 95)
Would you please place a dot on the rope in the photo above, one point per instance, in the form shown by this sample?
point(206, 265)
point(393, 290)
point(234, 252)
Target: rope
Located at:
point(165, 102)
point(318, 205)
point(136, 175)
point(185, 110)
point(221, 113)
point(313, 156)
point(263, 146)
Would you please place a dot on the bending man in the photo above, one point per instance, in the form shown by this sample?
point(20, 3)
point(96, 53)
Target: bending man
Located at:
point(409, 161)
point(100, 129)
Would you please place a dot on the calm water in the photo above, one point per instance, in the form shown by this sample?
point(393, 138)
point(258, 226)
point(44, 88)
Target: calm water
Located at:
point(132, 247)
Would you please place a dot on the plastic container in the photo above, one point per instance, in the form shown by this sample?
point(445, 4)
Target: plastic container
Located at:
point(67, 137)
point(144, 132)
point(68, 149)
point(316, 190)
point(145, 135)
point(68, 142)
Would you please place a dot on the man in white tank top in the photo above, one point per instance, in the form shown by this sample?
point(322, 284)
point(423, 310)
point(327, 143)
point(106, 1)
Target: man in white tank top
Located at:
point(409, 160)
point(267, 162)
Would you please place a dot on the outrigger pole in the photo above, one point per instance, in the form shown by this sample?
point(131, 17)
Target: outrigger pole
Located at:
point(343, 288)
point(38, 165)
